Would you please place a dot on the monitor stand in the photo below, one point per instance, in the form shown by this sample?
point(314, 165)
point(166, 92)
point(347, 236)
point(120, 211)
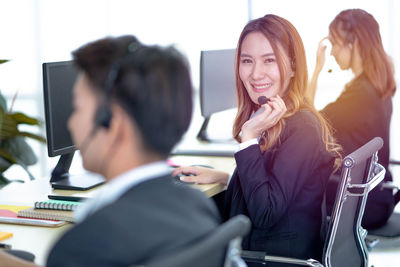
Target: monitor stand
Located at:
point(205, 146)
point(61, 179)
point(202, 135)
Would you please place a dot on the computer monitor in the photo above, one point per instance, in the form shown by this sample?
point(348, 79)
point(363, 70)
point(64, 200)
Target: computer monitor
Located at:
point(217, 84)
point(58, 81)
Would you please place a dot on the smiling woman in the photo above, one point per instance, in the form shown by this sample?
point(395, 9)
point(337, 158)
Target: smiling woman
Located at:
point(286, 152)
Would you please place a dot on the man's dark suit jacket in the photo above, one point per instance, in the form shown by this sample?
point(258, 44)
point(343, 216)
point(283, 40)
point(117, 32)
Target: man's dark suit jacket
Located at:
point(153, 218)
point(281, 190)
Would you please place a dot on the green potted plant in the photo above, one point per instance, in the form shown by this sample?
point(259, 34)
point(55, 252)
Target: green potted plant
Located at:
point(13, 147)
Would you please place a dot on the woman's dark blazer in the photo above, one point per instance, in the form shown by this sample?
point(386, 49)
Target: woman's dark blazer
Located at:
point(282, 189)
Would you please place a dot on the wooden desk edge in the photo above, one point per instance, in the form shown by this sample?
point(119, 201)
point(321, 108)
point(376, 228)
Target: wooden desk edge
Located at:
point(210, 189)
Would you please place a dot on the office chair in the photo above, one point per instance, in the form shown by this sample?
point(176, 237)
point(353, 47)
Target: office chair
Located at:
point(223, 245)
point(387, 236)
point(344, 243)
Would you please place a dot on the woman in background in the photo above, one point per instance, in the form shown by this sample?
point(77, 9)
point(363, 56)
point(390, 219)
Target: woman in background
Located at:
point(286, 152)
point(364, 108)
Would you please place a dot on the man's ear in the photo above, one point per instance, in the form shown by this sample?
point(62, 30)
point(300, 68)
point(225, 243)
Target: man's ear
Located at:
point(122, 127)
point(117, 122)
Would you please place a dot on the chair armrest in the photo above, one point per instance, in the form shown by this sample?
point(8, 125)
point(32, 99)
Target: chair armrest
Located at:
point(253, 256)
point(362, 189)
point(262, 257)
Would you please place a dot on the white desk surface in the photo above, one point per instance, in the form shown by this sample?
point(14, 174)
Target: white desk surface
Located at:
point(39, 240)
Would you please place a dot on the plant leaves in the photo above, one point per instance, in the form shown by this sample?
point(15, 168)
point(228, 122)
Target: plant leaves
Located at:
point(4, 164)
point(13, 147)
point(7, 156)
point(19, 118)
point(33, 136)
point(3, 103)
point(8, 126)
point(19, 149)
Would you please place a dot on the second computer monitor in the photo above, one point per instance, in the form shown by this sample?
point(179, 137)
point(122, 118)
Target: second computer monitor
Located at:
point(217, 81)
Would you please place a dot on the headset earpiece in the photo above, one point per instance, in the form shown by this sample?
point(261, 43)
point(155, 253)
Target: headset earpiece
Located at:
point(103, 117)
point(103, 114)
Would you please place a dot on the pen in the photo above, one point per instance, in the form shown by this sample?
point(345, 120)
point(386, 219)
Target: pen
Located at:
point(4, 246)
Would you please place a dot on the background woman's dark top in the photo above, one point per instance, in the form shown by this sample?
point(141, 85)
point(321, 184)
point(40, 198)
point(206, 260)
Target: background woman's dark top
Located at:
point(281, 190)
point(357, 116)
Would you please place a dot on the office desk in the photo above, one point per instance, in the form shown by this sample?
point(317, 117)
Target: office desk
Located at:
point(39, 240)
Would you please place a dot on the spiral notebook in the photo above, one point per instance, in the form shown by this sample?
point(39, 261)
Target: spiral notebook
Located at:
point(58, 215)
point(9, 214)
point(56, 205)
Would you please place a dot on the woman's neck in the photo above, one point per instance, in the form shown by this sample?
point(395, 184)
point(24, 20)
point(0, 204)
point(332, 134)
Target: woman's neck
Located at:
point(357, 70)
point(357, 63)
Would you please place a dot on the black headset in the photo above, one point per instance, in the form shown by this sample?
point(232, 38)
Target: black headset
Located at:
point(103, 113)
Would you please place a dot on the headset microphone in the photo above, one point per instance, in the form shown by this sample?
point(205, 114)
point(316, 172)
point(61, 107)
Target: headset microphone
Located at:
point(261, 100)
point(86, 142)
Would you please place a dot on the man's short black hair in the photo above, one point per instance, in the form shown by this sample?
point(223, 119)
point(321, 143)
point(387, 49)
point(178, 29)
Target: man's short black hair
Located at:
point(152, 84)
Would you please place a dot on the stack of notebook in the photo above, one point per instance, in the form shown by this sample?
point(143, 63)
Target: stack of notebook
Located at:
point(51, 210)
point(9, 214)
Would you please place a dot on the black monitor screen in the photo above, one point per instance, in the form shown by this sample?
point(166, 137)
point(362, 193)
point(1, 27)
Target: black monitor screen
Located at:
point(58, 81)
point(217, 81)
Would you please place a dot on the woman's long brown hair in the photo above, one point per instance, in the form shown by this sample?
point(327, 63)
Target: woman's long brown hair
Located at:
point(283, 38)
point(356, 24)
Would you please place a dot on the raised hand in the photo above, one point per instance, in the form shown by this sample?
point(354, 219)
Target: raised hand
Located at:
point(321, 54)
point(273, 111)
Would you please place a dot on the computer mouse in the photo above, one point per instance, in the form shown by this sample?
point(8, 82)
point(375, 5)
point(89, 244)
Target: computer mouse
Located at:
point(178, 178)
point(22, 254)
